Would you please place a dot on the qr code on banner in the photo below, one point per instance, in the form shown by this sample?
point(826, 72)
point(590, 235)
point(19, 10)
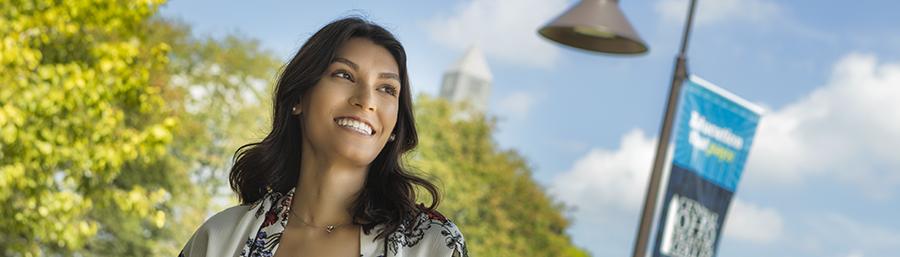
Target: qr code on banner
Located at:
point(690, 230)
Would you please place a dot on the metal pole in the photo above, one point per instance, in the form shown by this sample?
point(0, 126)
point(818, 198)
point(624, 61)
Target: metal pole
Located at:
point(665, 133)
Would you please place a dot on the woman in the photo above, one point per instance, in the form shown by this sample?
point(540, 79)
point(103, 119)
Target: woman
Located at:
point(328, 179)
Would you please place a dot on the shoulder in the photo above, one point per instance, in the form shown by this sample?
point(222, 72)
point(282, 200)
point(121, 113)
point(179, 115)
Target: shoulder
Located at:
point(227, 217)
point(224, 220)
point(429, 233)
point(215, 231)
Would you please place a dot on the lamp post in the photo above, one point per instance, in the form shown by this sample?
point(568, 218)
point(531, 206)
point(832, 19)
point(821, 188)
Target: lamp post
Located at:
point(600, 26)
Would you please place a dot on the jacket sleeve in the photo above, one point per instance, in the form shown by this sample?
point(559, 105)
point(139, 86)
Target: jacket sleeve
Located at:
point(454, 240)
point(197, 245)
point(434, 237)
point(222, 234)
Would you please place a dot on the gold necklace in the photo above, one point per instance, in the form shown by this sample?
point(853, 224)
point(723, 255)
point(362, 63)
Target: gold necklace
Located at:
point(328, 227)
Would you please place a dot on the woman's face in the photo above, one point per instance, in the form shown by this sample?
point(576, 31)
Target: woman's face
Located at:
point(350, 114)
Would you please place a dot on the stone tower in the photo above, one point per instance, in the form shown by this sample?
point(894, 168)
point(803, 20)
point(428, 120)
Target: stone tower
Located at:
point(468, 80)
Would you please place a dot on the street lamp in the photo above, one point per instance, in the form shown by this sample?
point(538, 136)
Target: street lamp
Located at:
point(595, 25)
point(600, 26)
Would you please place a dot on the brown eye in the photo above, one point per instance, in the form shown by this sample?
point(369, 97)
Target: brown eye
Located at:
point(391, 90)
point(343, 74)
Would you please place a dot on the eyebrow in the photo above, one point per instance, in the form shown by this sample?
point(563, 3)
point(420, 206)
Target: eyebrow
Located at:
point(353, 65)
point(347, 62)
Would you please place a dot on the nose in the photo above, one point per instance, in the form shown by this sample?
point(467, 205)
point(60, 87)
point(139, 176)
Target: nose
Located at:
point(363, 98)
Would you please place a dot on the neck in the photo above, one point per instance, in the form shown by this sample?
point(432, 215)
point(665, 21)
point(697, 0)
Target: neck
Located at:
point(326, 190)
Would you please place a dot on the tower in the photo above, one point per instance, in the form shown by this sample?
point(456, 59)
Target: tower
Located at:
point(468, 80)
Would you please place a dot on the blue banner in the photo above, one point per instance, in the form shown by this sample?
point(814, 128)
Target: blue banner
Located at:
point(713, 132)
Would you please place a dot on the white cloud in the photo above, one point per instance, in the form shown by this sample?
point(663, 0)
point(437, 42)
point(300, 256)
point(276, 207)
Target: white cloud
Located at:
point(605, 183)
point(709, 12)
point(606, 188)
point(847, 129)
point(504, 29)
point(517, 105)
point(605, 180)
point(753, 223)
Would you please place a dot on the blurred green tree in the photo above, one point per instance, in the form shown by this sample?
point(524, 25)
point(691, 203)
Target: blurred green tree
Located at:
point(218, 89)
point(78, 109)
point(488, 192)
point(115, 126)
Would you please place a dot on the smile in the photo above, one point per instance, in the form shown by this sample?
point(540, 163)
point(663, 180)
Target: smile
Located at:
point(355, 125)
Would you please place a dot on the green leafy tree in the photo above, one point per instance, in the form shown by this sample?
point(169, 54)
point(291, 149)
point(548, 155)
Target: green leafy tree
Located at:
point(116, 126)
point(488, 192)
point(78, 109)
point(219, 89)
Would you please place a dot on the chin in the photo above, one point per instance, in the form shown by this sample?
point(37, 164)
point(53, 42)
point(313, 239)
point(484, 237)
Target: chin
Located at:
point(359, 159)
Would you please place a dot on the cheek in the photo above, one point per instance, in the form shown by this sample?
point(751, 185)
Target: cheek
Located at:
point(390, 115)
point(324, 97)
point(317, 112)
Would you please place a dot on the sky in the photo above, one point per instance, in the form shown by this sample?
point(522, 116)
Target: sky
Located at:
point(823, 175)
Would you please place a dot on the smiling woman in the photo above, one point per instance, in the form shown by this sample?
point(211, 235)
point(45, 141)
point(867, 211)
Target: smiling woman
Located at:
point(328, 179)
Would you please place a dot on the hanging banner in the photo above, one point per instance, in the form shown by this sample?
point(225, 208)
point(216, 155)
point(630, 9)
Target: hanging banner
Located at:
point(713, 132)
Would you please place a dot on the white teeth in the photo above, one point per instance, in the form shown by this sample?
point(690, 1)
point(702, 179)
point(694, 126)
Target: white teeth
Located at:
point(360, 127)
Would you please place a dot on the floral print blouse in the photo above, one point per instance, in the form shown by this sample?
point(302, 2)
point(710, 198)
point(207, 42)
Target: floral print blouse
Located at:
point(255, 231)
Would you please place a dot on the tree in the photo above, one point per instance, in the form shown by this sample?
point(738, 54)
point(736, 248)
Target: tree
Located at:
point(219, 89)
point(77, 109)
point(488, 192)
point(102, 135)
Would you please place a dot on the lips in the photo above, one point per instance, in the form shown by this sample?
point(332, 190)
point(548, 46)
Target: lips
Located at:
point(355, 124)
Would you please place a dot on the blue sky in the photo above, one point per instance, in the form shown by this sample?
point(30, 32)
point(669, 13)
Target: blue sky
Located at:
point(822, 178)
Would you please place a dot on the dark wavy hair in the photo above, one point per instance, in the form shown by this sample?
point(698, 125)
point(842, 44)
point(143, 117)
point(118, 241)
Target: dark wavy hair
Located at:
point(388, 196)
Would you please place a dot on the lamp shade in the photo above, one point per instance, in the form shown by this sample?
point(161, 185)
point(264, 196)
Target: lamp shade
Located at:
point(595, 25)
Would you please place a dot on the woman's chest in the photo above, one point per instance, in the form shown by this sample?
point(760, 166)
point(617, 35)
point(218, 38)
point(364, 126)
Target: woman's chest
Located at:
point(306, 243)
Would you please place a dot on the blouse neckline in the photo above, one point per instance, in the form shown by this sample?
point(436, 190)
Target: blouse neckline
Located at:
point(276, 208)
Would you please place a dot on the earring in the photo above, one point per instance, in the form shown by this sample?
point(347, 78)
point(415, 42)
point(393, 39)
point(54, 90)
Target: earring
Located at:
point(294, 109)
point(391, 139)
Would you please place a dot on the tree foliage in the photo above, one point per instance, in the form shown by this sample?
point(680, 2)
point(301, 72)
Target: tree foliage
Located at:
point(77, 109)
point(488, 192)
point(105, 147)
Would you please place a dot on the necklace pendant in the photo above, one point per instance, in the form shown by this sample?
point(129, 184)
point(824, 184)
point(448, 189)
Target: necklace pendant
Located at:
point(329, 228)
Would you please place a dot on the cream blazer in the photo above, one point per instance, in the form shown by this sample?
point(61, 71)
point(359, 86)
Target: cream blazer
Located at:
point(255, 230)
